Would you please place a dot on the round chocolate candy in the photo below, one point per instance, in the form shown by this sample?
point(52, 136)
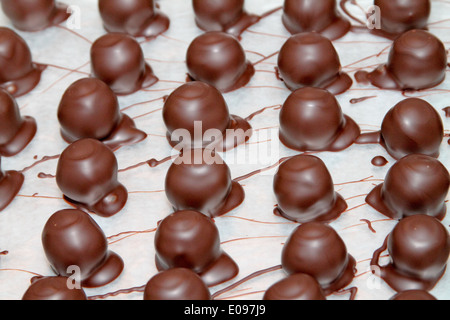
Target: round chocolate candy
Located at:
point(196, 115)
point(118, 60)
point(413, 295)
point(18, 74)
point(90, 109)
point(305, 192)
point(176, 284)
point(415, 184)
point(315, 16)
point(10, 184)
point(138, 18)
point(87, 176)
point(309, 59)
point(311, 119)
point(419, 247)
point(54, 288)
point(218, 59)
point(189, 239)
point(298, 286)
point(317, 249)
point(75, 245)
point(35, 15)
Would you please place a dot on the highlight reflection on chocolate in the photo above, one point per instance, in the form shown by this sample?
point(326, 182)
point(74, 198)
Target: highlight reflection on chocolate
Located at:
point(413, 295)
point(218, 59)
point(87, 176)
point(305, 191)
point(35, 15)
point(200, 180)
point(53, 288)
point(138, 18)
point(309, 59)
point(90, 109)
point(118, 60)
point(189, 239)
point(199, 111)
point(398, 16)
point(72, 238)
point(416, 185)
point(417, 60)
point(226, 16)
point(419, 247)
point(11, 182)
point(317, 249)
point(16, 132)
point(18, 74)
point(298, 286)
point(311, 119)
point(176, 284)
point(315, 16)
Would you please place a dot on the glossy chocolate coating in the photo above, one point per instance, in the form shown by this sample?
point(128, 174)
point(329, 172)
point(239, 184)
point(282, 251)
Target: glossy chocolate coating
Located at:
point(189, 239)
point(118, 60)
point(413, 295)
point(419, 247)
point(309, 59)
point(314, 16)
point(416, 184)
point(72, 238)
point(87, 176)
point(311, 119)
point(398, 16)
point(53, 288)
point(35, 15)
point(200, 180)
point(10, 184)
point(317, 249)
point(176, 284)
point(18, 74)
point(417, 60)
point(305, 192)
point(218, 59)
point(200, 102)
point(90, 109)
point(226, 16)
point(138, 18)
point(299, 286)
point(16, 132)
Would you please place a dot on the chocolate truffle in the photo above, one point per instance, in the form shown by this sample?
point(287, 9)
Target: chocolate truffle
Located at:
point(138, 18)
point(305, 192)
point(16, 132)
point(309, 59)
point(10, 184)
point(226, 16)
point(198, 112)
point(411, 126)
point(90, 109)
point(218, 59)
point(72, 238)
point(35, 15)
point(299, 286)
point(317, 249)
point(53, 288)
point(189, 239)
point(311, 119)
point(417, 60)
point(176, 284)
point(200, 180)
point(315, 16)
point(413, 295)
point(87, 176)
point(419, 247)
point(398, 16)
point(18, 74)
point(118, 60)
point(416, 184)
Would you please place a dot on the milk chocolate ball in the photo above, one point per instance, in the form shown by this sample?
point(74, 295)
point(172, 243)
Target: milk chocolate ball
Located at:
point(298, 286)
point(54, 288)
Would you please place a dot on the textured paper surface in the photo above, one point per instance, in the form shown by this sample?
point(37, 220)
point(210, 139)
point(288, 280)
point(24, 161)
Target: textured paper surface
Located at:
point(251, 234)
